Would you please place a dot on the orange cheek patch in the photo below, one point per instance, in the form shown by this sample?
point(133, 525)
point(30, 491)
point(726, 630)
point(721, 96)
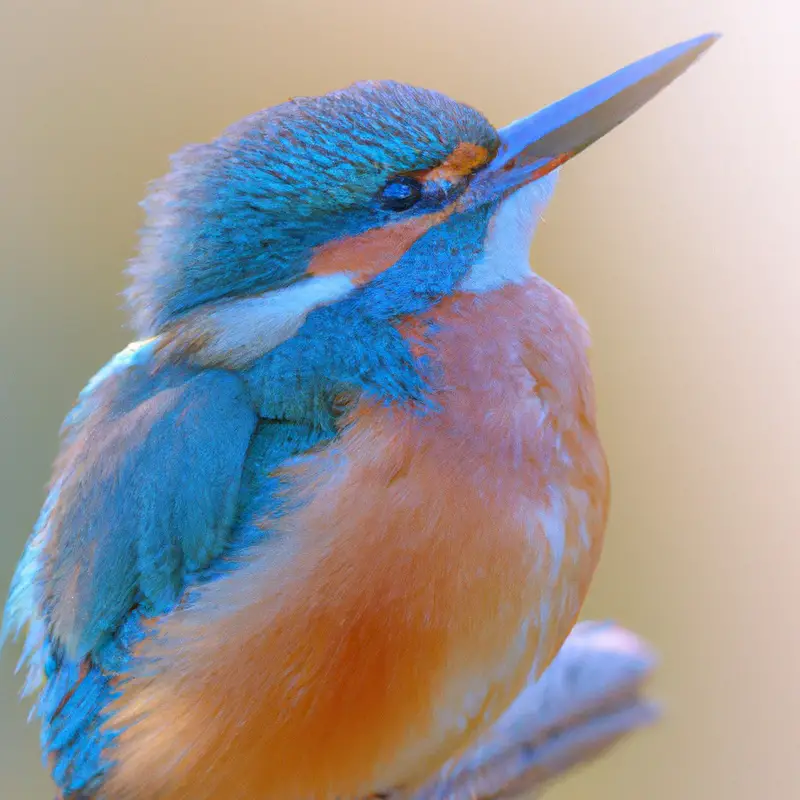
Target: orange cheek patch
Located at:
point(463, 161)
point(367, 255)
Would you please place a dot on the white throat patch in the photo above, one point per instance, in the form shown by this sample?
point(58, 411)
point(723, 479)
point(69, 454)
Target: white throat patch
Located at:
point(506, 255)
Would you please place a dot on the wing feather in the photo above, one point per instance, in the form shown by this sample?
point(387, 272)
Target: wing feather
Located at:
point(144, 493)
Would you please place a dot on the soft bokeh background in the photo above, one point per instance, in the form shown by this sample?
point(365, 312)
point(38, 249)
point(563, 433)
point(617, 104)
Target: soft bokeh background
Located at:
point(675, 235)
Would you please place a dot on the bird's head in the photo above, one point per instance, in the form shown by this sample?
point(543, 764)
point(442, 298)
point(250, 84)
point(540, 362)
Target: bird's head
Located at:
point(333, 187)
point(377, 201)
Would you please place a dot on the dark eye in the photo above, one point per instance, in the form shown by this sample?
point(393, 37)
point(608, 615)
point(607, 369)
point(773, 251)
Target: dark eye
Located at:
point(401, 193)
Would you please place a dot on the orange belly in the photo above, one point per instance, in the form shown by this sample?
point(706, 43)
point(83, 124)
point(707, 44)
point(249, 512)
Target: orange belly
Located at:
point(431, 563)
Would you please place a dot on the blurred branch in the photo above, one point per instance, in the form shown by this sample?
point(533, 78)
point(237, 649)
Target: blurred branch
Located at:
point(589, 698)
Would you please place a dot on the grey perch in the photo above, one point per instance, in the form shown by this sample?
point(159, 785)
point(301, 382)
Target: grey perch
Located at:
point(589, 698)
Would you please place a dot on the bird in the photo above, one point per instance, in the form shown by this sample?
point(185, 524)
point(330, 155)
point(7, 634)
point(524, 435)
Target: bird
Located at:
point(309, 535)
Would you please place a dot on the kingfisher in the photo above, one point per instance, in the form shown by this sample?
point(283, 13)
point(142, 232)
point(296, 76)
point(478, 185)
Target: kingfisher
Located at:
point(310, 534)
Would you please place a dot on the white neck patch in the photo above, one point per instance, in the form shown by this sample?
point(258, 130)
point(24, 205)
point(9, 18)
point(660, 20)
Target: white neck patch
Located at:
point(506, 254)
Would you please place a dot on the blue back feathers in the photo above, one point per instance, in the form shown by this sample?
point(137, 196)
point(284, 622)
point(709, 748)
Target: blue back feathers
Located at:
point(146, 493)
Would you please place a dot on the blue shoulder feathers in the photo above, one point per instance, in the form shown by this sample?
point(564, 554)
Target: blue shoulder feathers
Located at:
point(145, 491)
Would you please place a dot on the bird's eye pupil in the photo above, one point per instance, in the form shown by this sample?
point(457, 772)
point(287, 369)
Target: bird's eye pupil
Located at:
point(401, 193)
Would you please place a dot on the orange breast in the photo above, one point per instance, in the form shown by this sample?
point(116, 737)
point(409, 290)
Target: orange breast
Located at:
point(430, 563)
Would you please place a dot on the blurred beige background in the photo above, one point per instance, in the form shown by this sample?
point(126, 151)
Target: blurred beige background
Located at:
point(674, 235)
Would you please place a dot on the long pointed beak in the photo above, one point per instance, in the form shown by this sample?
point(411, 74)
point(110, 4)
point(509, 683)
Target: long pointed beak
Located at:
point(535, 146)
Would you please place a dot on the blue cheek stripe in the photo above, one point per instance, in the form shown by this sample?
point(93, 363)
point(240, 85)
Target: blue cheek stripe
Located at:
point(354, 345)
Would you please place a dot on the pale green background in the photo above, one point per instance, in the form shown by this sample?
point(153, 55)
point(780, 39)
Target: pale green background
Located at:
point(674, 235)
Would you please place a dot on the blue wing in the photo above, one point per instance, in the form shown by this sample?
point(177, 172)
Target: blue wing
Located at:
point(145, 495)
point(145, 492)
